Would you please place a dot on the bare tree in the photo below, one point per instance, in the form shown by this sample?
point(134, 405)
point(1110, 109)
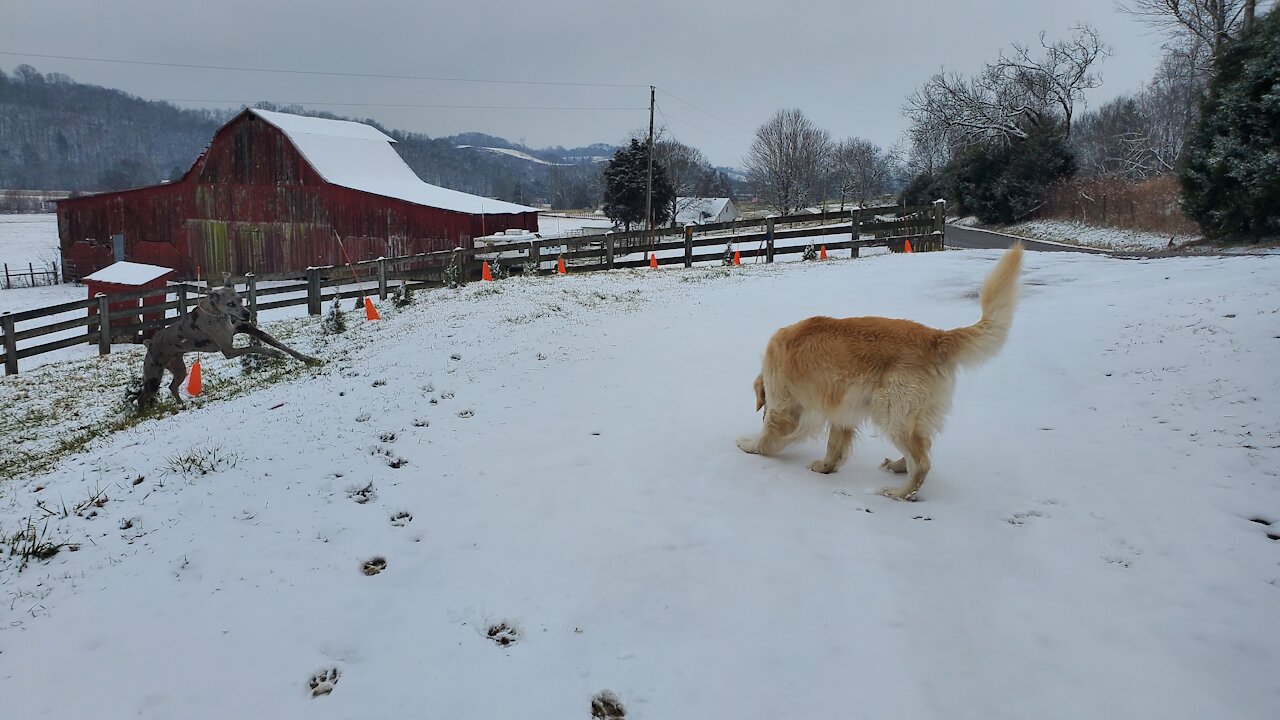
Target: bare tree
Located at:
point(861, 170)
point(1007, 97)
point(1197, 28)
point(686, 169)
point(1142, 135)
point(954, 111)
point(787, 161)
point(1062, 74)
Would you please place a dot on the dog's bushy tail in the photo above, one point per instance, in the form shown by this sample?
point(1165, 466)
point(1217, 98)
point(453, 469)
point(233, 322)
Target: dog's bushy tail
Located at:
point(981, 341)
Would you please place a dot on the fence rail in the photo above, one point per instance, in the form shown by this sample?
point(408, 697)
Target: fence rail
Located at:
point(921, 225)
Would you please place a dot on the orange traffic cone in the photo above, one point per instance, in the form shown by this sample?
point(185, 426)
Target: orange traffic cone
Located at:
point(823, 254)
point(370, 312)
point(906, 246)
point(737, 258)
point(560, 267)
point(485, 275)
point(193, 380)
point(653, 261)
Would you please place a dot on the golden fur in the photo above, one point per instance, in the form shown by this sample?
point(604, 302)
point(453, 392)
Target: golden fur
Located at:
point(897, 373)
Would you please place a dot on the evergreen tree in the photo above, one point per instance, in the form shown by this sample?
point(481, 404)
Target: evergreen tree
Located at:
point(334, 321)
point(624, 196)
point(1231, 180)
point(1006, 182)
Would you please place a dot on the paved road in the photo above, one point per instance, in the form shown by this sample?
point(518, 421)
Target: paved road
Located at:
point(960, 237)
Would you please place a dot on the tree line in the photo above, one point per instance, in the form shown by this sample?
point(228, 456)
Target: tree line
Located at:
point(59, 134)
point(996, 142)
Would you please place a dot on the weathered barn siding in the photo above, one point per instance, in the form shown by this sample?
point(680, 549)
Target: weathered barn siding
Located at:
point(252, 203)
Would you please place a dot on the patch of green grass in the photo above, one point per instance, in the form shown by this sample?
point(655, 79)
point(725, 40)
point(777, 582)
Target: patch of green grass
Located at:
point(200, 461)
point(30, 543)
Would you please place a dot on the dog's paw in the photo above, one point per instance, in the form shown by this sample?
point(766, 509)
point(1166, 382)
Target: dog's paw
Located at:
point(894, 466)
point(894, 493)
point(748, 445)
point(312, 361)
point(822, 466)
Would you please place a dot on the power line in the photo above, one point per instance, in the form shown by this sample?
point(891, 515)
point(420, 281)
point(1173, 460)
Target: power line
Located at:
point(709, 132)
point(398, 105)
point(319, 72)
point(704, 112)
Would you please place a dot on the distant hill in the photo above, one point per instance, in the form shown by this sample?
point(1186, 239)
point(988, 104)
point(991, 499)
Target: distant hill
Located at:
point(58, 134)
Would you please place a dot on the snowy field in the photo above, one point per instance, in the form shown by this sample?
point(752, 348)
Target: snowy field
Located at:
point(29, 239)
point(544, 469)
point(551, 225)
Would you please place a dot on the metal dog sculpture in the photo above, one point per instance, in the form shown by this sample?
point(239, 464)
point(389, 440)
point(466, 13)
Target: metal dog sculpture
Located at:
point(210, 327)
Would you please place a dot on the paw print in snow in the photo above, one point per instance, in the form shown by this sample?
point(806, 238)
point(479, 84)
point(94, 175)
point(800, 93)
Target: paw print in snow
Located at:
point(322, 683)
point(503, 633)
point(606, 706)
point(362, 495)
point(1020, 518)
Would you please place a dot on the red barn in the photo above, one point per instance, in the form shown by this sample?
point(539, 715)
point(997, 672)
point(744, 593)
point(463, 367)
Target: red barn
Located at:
point(274, 193)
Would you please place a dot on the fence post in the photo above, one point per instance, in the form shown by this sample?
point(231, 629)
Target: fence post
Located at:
point(688, 246)
point(10, 345)
point(181, 291)
point(535, 256)
point(7, 283)
point(939, 221)
point(104, 325)
point(768, 239)
point(459, 266)
point(251, 287)
point(608, 250)
point(855, 219)
point(382, 278)
point(313, 291)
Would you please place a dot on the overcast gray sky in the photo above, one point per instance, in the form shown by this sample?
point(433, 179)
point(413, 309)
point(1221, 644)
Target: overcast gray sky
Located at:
point(721, 68)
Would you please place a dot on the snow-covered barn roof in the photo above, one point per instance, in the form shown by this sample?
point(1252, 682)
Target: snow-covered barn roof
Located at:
point(360, 157)
point(695, 210)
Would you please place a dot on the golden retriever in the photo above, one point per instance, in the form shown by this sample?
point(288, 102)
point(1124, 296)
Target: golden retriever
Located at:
point(897, 373)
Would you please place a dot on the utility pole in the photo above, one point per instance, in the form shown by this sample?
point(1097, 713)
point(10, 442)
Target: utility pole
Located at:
point(648, 182)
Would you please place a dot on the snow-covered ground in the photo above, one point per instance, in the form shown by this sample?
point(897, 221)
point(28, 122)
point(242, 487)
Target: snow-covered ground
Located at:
point(1075, 233)
point(29, 239)
point(552, 225)
point(550, 462)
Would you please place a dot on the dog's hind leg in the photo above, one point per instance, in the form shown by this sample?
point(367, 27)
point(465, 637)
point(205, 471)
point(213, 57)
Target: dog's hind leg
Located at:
point(839, 440)
point(780, 426)
point(257, 332)
point(915, 446)
point(179, 370)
